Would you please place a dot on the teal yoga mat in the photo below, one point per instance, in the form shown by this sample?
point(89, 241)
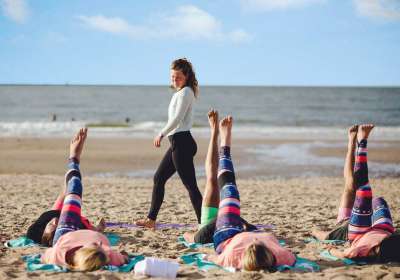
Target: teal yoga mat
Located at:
point(197, 259)
point(328, 256)
point(33, 264)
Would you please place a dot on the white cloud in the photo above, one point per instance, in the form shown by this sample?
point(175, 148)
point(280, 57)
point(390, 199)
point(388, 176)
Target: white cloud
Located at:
point(379, 9)
point(17, 10)
point(268, 5)
point(186, 22)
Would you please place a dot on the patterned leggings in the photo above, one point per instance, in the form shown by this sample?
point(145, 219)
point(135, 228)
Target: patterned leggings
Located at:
point(367, 213)
point(229, 222)
point(70, 218)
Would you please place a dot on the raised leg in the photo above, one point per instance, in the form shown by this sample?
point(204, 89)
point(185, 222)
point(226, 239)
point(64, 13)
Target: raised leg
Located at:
point(229, 222)
point(211, 192)
point(349, 192)
point(360, 220)
point(70, 218)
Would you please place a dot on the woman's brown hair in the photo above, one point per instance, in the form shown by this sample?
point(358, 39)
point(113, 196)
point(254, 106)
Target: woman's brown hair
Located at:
point(186, 67)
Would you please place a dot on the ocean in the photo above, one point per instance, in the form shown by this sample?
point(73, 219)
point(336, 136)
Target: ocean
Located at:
point(140, 111)
point(317, 116)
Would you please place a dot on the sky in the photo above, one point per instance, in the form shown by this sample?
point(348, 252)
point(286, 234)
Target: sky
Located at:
point(229, 42)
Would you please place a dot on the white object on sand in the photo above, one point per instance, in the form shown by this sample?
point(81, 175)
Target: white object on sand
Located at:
point(157, 268)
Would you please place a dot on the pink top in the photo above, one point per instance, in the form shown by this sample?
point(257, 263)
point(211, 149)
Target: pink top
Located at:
point(84, 237)
point(233, 249)
point(361, 246)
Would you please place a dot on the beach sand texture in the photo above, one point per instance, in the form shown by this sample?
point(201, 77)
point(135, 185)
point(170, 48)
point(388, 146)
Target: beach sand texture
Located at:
point(293, 205)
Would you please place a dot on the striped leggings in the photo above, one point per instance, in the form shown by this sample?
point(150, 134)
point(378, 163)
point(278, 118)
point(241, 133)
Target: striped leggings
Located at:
point(229, 222)
point(367, 213)
point(70, 218)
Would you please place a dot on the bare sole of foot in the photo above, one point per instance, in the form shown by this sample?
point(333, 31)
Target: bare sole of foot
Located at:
point(213, 120)
point(319, 234)
point(352, 132)
point(189, 236)
point(352, 135)
point(76, 146)
point(147, 223)
point(364, 131)
point(225, 129)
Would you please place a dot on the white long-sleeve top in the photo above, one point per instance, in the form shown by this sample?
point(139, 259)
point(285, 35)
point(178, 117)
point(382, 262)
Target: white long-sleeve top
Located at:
point(180, 115)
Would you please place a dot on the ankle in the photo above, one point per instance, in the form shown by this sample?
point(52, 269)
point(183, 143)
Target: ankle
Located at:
point(74, 159)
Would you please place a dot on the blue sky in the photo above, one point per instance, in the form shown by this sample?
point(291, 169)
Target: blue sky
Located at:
point(230, 42)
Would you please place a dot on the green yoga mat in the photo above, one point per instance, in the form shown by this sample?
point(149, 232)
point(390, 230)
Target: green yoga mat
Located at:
point(197, 259)
point(194, 245)
point(333, 242)
point(328, 256)
point(33, 264)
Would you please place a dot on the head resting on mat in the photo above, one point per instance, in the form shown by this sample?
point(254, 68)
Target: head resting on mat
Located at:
point(42, 230)
point(258, 257)
point(389, 250)
point(88, 258)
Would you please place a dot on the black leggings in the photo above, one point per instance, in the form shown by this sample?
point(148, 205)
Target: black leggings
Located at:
point(179, 157)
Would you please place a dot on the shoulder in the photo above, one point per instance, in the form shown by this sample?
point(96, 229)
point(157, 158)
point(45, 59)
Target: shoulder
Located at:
point(187, 92)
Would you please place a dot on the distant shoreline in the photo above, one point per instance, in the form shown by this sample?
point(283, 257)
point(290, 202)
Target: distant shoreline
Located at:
point(160, 85)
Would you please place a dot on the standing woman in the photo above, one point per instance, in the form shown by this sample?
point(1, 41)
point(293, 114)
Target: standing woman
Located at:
point(179, 156)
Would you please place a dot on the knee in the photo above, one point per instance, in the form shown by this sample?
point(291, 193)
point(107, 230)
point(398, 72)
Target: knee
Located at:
point(74, 186)
point(225, 178)
point(379, 202)
point(158, 179)
point(212, 183)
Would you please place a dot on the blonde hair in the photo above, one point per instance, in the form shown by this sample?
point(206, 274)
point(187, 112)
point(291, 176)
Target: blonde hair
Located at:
point(258, 257)
point(186, 67)
point(89, 259)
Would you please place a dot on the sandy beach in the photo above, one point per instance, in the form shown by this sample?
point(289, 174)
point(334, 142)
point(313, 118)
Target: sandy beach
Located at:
point(32, 173)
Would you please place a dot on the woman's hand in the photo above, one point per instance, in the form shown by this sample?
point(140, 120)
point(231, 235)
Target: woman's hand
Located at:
point(157, 141)
point(126, 256)
point(336, 252)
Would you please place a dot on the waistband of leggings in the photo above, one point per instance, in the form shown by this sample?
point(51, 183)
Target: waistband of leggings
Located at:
point(180, 134)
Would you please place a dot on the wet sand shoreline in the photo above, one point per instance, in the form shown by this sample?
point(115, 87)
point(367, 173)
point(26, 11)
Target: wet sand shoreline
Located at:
point(136, 157)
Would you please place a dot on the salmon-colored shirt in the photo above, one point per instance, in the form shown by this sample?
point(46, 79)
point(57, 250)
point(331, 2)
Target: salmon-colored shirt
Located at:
point(361, 246)
point(233, 249)
point(84, 237)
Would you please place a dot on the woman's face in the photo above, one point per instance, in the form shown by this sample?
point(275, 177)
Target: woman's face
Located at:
point(178, 79)
point(48, 234)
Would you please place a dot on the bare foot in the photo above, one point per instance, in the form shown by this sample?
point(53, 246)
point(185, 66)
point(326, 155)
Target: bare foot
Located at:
point(319, 234)
point(225, 128)
point(101, 226)
point(189, 237)
point(147, 223)
point(363, 131)
point(213, 120)
point(352, 132)
point(352, 135)
point(76, 146)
